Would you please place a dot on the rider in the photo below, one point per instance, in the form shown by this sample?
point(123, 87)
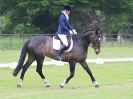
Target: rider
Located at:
point(64, 29)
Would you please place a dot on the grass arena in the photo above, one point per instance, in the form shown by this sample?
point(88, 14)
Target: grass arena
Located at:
point(66, 49)
point(115, 78)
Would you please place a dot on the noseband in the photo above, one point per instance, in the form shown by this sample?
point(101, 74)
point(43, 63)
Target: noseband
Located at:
point(92, 42)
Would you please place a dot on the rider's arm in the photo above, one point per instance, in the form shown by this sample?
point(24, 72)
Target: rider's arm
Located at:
point(73, 31)
point(69, 26)
point(62, 24)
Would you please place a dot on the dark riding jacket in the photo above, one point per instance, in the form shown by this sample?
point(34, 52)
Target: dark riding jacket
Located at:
point(64, 26)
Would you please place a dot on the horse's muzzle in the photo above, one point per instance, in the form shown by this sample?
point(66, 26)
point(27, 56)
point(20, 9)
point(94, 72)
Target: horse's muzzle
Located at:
point(97, 51)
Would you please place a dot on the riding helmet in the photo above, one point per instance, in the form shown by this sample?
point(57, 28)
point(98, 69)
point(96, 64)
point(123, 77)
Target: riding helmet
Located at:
point(67, 7)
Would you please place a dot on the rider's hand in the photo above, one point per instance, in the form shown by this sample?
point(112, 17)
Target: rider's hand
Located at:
point(74, 31)
point(71, 32)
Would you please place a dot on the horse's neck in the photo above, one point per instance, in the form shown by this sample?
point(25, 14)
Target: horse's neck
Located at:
point(82, 41)
point(85, 40)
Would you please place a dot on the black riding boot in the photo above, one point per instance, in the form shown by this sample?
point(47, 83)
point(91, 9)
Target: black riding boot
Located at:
point(63, 48)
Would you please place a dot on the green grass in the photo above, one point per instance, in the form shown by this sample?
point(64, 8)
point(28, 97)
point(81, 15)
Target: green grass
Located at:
point(116, 81)
point(124, 43)
point(9, 56)
point(14, 43)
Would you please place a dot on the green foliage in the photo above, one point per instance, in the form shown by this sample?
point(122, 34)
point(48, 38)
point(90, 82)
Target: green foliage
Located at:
point(3, 22)
point(33, 6)
point(115, 14)
point(21, 29)
point(119, 22)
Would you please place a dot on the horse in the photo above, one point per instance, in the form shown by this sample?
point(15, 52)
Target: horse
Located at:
point(39, 47)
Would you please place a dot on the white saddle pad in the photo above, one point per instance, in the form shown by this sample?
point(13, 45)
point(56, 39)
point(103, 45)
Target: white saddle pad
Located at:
point(57, 45)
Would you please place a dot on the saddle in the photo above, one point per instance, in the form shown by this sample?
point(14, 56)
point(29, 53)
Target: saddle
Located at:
point(57, 43)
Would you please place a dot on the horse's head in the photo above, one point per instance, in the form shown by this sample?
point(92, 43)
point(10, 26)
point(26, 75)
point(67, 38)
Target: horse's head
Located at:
point(95, 40)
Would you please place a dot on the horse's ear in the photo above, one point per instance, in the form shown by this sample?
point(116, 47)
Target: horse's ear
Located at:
point(97, 32)
point(101, 33)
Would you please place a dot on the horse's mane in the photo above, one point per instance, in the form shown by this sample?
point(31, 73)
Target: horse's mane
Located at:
point(83, 34)
point(88, 30)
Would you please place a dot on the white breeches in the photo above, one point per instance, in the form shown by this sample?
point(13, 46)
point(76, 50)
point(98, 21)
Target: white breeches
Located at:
point(63, 39)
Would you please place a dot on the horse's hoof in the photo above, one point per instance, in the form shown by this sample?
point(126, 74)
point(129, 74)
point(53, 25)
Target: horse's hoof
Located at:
point(47, 86)
point(97, 86)
point(14, 74)
point(61, 86)
point(18, 85)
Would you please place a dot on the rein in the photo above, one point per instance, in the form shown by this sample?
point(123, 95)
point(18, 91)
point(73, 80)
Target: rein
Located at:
point(88, 44)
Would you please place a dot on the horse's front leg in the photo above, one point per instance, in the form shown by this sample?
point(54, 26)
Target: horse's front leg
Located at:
point(72, 71)
point(85, 66)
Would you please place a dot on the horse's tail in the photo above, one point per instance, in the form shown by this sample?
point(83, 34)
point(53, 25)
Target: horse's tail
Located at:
point(21, 59)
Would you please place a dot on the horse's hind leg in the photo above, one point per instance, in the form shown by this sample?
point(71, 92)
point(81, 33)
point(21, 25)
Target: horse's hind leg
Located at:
point(24, 69)
point(72, 71)
point(85, 66)
point(39, 71)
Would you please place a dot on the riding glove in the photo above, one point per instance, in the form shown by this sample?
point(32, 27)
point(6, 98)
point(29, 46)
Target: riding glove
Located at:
point(71, 32)
point(74, 32)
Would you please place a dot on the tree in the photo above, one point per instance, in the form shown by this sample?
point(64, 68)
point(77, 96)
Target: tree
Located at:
point(111, 15)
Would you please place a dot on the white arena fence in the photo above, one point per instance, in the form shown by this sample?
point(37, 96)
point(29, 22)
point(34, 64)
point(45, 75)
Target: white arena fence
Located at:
point(16, 41)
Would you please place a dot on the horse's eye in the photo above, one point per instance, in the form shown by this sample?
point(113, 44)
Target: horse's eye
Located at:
point(99, 39)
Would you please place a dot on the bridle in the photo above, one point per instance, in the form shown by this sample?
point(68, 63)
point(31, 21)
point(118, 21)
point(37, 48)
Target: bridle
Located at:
point(91, 42)
point(86, 43)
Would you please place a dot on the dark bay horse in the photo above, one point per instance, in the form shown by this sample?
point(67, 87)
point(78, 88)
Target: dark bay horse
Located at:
point(40, 46)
